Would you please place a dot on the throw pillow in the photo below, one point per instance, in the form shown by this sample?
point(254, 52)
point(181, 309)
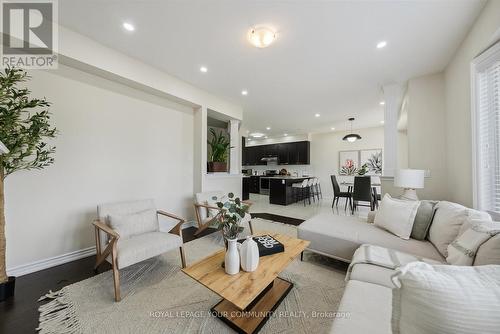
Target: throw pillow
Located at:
point(134, 224)
point(423, 220)
point(446, 224)
point(489, 251)
point(463, 249)
point(396, 216)
point(446, 299)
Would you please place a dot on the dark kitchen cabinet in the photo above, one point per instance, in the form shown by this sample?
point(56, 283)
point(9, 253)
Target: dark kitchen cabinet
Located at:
point(295, 153)
point(254, 186)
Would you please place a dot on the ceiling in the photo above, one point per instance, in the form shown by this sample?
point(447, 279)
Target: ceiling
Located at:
point(324, 61)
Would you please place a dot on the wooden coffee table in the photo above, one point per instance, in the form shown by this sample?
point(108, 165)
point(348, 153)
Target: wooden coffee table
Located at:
point(248, 298)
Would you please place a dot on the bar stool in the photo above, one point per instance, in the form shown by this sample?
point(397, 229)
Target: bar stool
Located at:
point(299, 190)
point(310, 190)
point(318, 188)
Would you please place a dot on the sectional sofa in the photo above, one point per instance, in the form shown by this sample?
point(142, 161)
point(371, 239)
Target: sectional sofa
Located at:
point(368, 295)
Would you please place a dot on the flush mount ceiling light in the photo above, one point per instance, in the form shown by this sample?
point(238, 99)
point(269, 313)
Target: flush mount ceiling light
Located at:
point(381, 44)
point(317, 115)
point(203, 69)
point(268, 128)
point(351, 137)
point(261, 36)
point(128, 26)
point(382, 103)
point(257, 135)
point(244, 92)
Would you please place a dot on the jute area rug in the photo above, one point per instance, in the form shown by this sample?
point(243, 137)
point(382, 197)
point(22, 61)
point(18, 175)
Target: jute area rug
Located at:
point(159, 298)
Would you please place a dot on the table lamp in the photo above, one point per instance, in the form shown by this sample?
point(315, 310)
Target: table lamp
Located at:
point(409, 179)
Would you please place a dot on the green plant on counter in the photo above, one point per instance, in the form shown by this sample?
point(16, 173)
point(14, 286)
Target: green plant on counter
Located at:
point(219, 146)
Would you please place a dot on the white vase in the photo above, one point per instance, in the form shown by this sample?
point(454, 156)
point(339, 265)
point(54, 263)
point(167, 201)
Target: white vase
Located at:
point(232, 258)
point(249, 255)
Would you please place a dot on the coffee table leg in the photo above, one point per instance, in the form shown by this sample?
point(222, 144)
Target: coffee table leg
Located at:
point(251, 320)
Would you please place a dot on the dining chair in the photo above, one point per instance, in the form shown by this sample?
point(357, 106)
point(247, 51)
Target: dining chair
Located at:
point(376, 189)
point(362, 192)
point(337, 194)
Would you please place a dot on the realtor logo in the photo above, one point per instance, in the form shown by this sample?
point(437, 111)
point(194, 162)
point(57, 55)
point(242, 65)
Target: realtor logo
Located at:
point(29, 34)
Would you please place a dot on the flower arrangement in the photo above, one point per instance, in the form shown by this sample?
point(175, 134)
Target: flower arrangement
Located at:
point(348, 168)
point(229, 218)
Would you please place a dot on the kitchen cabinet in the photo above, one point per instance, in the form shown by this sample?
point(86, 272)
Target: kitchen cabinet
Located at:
point(254, 185)
point(295, 153)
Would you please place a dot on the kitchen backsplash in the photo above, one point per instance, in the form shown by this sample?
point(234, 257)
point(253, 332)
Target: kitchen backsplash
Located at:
point(299, 169)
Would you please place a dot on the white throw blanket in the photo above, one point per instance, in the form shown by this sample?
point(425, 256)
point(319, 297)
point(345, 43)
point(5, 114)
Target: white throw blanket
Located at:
point(382, 257)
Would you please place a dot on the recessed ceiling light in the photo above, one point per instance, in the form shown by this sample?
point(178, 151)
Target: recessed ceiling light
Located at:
point(244, 92)
point(204, 69)
point(261, 37)
point(317, 115)
point(128, 26)
point(381, 44)
point(382, 103)
point(333, 129)
point(257, 135)
point(266, 137)
point(268, 128)
point(285, 134)
point(382, 122)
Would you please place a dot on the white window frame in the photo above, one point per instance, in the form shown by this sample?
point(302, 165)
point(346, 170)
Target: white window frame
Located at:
point(480, 62)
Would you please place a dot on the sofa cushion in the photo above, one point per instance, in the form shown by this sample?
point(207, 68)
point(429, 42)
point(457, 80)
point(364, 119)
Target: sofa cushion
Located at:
point(489, 251)
point(448, 221)
point(375, 264)
point(340, 236)
point(446, 299)
point(463, 249)
point(135, 223)
point(396, 216)
point(367, 308)
point(141, 247)
point(423, 220)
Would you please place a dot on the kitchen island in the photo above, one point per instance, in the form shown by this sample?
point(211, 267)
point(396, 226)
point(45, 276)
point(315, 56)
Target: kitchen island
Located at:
point(280, 189)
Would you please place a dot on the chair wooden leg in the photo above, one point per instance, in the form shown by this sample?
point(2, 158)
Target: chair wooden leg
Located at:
point(251, 227)
point(116, 276)
point(333, 202)
point(183, 257)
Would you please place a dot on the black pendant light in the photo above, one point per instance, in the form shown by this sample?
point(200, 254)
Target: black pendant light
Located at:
point(351, 137)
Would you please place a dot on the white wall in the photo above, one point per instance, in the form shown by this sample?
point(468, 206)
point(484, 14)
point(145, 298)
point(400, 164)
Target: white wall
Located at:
point(115, 143)
point(427, 133)
point(458, 103)
point(325, 149)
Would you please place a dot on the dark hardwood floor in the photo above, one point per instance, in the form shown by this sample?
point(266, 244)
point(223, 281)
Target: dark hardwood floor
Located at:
point(20, 313)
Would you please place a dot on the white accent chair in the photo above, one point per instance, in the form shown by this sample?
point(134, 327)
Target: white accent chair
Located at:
point(206, 210)
point(141, 237)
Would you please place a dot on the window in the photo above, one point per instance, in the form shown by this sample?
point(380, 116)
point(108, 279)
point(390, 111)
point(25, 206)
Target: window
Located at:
point(486, 129)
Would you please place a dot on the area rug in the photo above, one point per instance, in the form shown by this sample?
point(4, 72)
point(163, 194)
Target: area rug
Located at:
point(158, 298)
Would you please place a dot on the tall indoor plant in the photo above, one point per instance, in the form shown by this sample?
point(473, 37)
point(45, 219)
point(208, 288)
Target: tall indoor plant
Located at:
point(24, 129)
point(219, 151)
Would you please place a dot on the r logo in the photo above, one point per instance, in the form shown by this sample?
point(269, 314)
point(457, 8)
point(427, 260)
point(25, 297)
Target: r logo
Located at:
point(27, 28)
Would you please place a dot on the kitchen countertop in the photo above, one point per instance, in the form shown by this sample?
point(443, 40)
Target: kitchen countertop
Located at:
point(288, 177)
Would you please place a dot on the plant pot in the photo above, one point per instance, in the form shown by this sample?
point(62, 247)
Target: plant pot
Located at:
point(7, 288)
point(217, 166)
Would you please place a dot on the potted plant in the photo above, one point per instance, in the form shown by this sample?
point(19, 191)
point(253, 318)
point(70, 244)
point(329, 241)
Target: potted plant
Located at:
point(232, 211)
point(24, 127)
point(219, 151)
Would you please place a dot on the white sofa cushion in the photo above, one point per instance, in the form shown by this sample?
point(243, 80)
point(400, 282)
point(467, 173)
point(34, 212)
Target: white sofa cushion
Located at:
point(368, 307)
point(144, 246)
point(135, 223)
point(396, 216)
point(489, 251)
point(340, 236)
point(369, 265)
point(446, 299)
point(447, 223)
point(462, 251)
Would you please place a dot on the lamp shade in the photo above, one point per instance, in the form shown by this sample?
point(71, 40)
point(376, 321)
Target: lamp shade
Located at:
point(409, 178)
point(3, 149)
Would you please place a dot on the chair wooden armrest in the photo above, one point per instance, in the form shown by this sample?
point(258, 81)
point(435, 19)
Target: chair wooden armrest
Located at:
point(247, 202)
point(105, 228)
point(206, 206)
point(177, 228)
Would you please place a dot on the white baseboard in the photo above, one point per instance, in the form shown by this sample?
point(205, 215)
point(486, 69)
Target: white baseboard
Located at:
point(61, 259)
point(50, 262)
